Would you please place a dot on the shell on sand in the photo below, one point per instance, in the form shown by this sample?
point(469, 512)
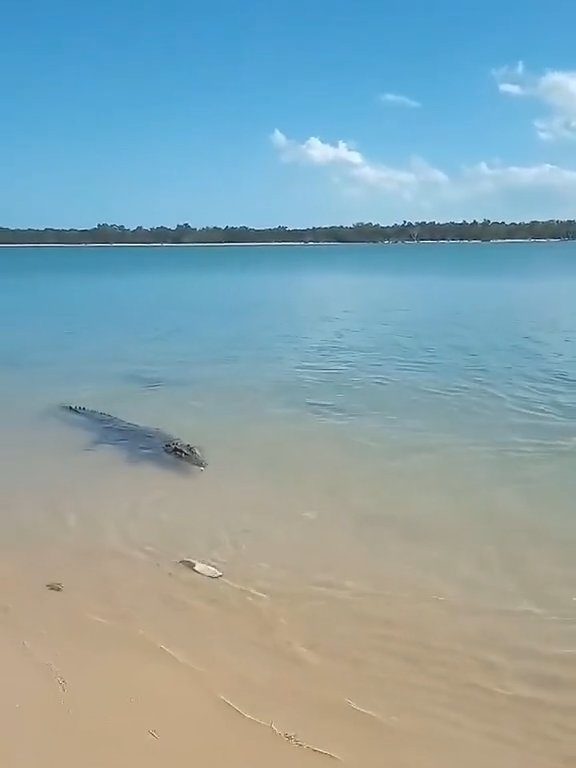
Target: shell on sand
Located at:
point(202, 568)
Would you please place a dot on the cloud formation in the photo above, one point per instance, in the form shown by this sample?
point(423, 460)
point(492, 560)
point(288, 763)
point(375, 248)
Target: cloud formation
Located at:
point(400, 101)
point(355, 168)
point(418, 180)
point(555, 89)
point(543, 176)
point(315, 151)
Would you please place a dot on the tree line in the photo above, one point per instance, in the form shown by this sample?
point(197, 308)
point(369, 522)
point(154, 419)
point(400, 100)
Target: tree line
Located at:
point(362, 232)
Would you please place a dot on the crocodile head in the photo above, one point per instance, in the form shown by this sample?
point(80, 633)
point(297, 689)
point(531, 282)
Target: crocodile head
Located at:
point(186, 452)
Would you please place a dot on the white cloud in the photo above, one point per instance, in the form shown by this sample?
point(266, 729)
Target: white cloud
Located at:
point(399, 100)
point(555, 89)
point(356, 169)
point(512, 88)
point(315, 151)
point(509, 78)
point(418, 181)
point(544, 174)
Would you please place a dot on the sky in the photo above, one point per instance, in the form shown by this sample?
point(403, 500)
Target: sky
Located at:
point(265, 113)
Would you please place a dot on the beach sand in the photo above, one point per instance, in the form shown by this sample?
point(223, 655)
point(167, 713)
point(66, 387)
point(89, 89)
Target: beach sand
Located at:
point(351, 632)
point(81, 686)
point(138, 662)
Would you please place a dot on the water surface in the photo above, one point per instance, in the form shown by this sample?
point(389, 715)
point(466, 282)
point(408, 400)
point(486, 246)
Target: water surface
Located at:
point(391, 437)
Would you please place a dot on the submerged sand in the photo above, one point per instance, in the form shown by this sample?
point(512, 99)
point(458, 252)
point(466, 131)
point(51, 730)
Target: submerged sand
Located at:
point(137, 662)
point(377, 627)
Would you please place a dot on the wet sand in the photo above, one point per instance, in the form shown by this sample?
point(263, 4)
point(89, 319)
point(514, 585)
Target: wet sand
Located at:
point(370, 626)
point(139, 661)
point(79, 688)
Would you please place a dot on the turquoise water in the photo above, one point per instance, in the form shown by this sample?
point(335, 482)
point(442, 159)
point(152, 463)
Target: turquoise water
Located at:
point(391, 437)
point(455, 364)
point(467, 342)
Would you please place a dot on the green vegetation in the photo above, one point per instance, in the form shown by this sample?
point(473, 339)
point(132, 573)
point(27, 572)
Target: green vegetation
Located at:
point(357, 233)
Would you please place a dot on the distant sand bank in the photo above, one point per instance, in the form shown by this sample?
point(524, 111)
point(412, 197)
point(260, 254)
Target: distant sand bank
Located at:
point(275, 244)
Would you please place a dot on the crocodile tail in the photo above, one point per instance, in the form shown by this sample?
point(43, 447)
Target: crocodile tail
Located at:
point(86, 411)
point(74, 408)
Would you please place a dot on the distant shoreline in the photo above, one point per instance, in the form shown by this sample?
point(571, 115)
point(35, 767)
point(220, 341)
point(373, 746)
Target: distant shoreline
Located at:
point(361, 233)
point(282, 244)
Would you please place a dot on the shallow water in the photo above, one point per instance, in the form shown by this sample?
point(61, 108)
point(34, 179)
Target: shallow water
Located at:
point(391, 442)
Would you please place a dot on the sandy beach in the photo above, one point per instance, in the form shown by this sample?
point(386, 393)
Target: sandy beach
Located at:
point(389, 496)
point(103, 691)
point(99, 695)
point(271, 244)
point(138, 663)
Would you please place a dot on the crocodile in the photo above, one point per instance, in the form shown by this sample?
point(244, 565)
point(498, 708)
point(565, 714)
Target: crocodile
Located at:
point(147, 442)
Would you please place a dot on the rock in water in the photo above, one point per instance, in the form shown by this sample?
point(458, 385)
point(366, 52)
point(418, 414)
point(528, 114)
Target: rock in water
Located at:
point(202, 568)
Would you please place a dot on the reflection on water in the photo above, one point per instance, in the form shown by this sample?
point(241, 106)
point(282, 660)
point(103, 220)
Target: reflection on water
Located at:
point(391, 441)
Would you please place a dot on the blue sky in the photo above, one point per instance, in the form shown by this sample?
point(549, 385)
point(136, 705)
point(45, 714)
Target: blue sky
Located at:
point(300, 113)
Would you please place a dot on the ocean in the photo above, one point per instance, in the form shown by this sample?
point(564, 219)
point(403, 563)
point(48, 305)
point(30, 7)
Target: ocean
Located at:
point(391, 439)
